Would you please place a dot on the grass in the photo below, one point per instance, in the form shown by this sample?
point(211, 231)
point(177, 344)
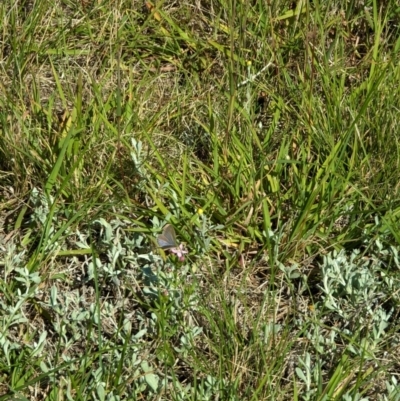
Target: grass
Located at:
point(266, 134)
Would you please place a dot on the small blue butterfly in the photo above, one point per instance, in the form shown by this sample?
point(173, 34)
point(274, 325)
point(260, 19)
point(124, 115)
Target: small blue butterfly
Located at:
point(167, 240)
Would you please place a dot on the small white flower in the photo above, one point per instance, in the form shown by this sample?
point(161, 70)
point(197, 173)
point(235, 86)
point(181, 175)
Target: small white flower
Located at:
point(179, 251)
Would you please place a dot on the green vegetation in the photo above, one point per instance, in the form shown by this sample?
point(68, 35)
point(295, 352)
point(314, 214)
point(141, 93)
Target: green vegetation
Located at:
point(266, 133)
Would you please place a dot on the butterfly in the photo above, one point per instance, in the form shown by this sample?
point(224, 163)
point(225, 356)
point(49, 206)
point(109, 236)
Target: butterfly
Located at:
point(167, 240)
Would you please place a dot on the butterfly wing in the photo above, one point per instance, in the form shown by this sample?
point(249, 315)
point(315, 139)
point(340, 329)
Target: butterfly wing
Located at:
point(167, 239)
